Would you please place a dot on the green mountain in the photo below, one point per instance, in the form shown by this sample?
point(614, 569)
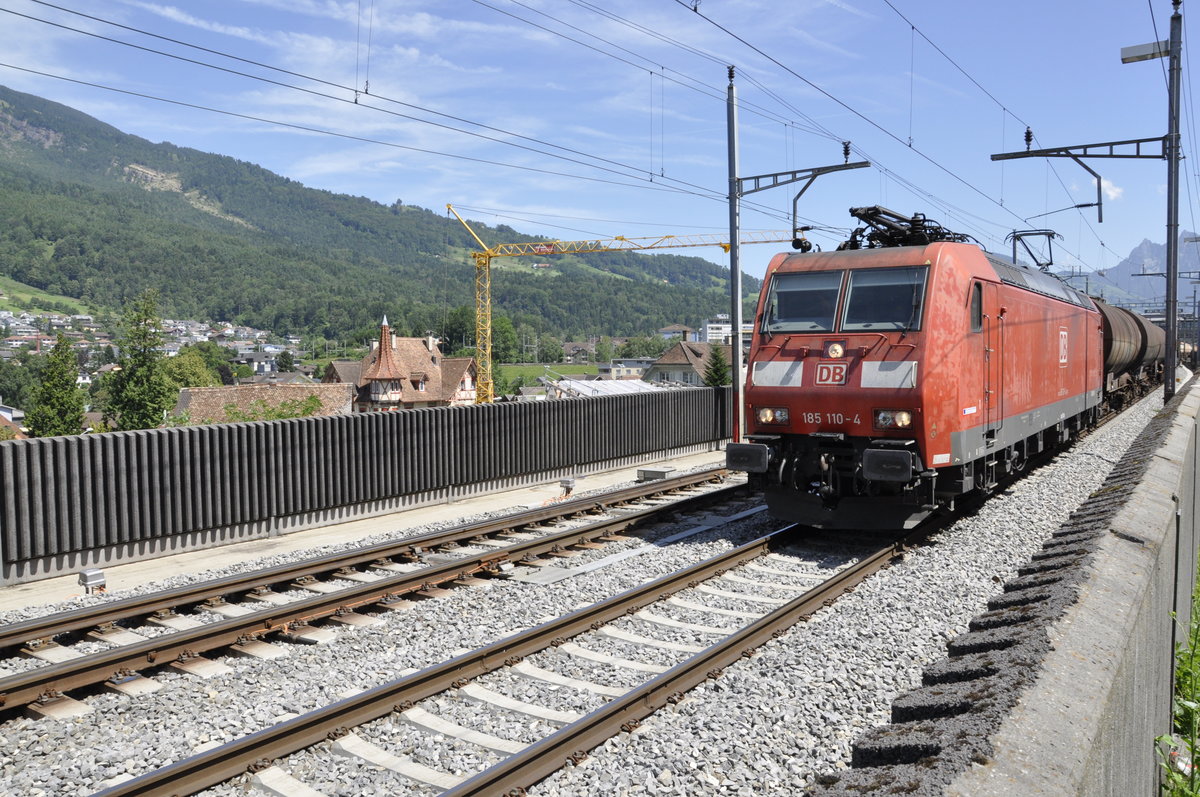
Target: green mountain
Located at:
point(97, 215)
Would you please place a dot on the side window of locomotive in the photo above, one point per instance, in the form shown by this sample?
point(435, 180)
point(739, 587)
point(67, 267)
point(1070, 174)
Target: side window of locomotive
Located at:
point(977, 307)
point(803, 302)
point(885, 299)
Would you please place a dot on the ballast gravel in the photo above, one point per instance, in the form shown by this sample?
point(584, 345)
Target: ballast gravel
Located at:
point(79, 756)
point(769, 725)
point(772, 724)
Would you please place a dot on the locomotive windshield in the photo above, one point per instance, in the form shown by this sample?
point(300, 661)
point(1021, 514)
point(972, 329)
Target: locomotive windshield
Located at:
point(804, 302)
point(885, 299)
point(879, 299)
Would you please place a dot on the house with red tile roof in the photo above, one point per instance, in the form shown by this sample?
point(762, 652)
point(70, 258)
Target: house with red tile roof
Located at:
point(405, 373)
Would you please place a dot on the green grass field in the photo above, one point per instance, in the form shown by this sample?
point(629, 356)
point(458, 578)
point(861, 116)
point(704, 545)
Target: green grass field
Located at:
point(17, 296)
point(531, 372)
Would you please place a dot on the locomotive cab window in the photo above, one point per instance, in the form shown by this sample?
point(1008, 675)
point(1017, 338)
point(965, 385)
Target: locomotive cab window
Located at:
point(977, 307)
point(804, 302)
point(885, 299)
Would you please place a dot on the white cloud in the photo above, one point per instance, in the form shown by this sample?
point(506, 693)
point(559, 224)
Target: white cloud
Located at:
point(176, 15)
point(1110, 191)
point(346, 12)
point(850, 9)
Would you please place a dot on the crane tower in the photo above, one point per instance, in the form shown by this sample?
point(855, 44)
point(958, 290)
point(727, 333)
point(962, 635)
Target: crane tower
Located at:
point(484, 385)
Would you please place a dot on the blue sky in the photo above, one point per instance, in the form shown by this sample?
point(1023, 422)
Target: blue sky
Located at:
point(584, 118)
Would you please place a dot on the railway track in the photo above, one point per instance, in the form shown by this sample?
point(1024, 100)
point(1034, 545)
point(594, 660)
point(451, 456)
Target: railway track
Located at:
point(742, 577)
point(380, 576)
point(724, 737)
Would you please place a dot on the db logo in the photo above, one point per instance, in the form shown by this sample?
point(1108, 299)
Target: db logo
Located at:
point(831, 373)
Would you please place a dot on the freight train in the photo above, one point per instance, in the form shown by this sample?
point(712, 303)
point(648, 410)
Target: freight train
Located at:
point(910, 366)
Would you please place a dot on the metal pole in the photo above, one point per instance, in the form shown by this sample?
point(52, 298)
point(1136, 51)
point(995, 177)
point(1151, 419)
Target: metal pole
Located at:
point(735, 266)
point(1172, 354)
point(1195, 325)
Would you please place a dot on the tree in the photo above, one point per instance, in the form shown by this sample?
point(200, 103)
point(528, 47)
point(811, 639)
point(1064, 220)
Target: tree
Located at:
point(458, 329)
point(550, 349)
point(285, 362)
point(214, 354)
point(189, 369)
point(716, 371)
point(504, 340)
point(58, 401)
point(646, 346)
point(140, 393)
point(505, 386)
point(605, 350)
point(16, 384)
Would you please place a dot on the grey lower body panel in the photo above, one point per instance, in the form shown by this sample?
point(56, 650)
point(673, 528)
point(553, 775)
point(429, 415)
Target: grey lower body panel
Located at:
point(974, 443)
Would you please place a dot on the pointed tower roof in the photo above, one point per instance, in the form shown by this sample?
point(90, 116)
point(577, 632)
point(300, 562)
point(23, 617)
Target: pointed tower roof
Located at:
point(385, 366)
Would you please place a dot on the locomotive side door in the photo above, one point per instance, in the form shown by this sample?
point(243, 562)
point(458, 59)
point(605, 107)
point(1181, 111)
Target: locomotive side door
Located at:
point(986, 328)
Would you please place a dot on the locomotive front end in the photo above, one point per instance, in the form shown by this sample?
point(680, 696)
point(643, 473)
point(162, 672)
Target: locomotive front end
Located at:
point(836, 419)
point(910, 367)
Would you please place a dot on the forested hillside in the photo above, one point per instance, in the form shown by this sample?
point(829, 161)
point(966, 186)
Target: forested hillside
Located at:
point(89, 212)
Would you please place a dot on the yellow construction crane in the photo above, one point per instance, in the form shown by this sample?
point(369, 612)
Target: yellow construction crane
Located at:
point(484, 386)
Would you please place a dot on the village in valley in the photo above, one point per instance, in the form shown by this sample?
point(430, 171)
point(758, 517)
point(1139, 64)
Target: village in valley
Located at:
point(396, 372)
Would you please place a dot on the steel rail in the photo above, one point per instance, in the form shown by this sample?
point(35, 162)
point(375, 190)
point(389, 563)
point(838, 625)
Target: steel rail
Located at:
point(21, 689)
point(256, 750)
point(571, 743)
point(85, 619)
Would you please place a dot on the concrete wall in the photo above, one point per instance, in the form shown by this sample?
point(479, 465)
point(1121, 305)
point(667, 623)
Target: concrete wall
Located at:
point(1088, 724)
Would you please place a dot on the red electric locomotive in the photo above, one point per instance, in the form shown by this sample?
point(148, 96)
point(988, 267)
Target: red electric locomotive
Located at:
point(910, 366)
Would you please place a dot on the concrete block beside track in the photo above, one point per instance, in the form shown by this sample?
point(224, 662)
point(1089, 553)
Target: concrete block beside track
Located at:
point(1064, 684)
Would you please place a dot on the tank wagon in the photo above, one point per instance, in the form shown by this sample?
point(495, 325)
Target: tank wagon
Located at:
point(910, 366)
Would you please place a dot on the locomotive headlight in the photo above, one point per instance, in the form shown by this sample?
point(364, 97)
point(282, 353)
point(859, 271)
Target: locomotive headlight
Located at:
point(893, 419)
point(772, 415)
point(834, 351)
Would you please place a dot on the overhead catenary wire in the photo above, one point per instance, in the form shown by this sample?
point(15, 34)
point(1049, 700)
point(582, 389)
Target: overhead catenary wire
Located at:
point(1189, 114)
point(343, 99)
point(629, 170)
point(351, 90)
point(859, 114)
point(718, 61)
point(525, 216)
point(667, 75)
point(682, 80)
point(349, 136)
point(370, 37)
point(845, 106)
point(643, 184)
point(1007, 111)
point(816, 127)
point(711, 193)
